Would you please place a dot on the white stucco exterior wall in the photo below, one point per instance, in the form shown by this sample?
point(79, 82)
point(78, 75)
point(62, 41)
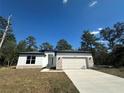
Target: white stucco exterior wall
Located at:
point(42, 60)
point(22, 61)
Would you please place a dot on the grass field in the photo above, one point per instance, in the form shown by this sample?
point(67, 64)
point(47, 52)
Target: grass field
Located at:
point(114, 71)
point(33, 81)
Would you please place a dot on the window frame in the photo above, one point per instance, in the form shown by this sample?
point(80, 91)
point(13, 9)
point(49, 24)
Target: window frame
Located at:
point(31, 59)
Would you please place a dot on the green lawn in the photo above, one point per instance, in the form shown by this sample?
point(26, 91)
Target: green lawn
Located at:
point(33, 81)
point(114, 71)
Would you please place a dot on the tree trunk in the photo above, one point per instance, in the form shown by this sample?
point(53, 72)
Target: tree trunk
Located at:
point(11, 62)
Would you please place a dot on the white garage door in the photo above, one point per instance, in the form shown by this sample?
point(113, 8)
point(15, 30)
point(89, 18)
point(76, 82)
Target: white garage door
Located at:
point(73, 63)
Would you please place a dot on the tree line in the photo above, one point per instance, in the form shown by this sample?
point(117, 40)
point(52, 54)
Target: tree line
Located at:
point(107, 48)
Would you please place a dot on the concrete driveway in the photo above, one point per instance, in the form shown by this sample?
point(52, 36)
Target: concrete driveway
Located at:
point(91, 81)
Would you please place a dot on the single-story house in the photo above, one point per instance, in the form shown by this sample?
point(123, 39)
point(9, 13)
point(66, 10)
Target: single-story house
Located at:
point(55, 59)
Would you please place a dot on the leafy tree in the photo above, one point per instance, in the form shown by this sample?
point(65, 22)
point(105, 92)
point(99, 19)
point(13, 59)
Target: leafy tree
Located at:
point(119, 27)
point(63, 45)
point(113, 35)
point(22, 46)
point(3, 23)
point(8, 50)
point(115, 38)
point(117, 56)
point(101, 55)
point(88, 41)
point(46, 46)
point(108, 34)
point(31, 43)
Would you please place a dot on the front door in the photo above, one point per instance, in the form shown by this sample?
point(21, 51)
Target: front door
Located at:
point(50, 60)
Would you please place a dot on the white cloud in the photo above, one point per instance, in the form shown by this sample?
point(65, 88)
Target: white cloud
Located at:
point(100, 29)
point(93, 3)
point(102, 41)
point(95, 32)
point(65, 1)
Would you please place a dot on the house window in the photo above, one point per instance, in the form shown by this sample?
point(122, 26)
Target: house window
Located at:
point(30, 60)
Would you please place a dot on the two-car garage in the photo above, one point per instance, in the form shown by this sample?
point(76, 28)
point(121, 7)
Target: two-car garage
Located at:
point(74, 63)
point(73, 60)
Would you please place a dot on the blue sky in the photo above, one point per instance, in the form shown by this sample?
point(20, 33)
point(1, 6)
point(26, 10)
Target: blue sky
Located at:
point(51, 20)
